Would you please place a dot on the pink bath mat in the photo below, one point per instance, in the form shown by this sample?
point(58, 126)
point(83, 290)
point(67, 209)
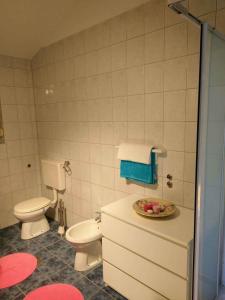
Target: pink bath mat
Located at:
point(57, 291)
point(16, 267)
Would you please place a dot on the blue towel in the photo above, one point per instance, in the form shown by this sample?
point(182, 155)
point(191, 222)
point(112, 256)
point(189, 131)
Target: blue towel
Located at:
point(146, 173)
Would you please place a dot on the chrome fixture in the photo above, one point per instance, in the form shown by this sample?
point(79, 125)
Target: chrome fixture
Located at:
point(168, 176)
point(67, 168)
point(178, 8)
point(98, 216)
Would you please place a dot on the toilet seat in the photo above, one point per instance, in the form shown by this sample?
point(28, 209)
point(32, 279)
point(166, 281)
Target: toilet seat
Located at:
point(32, 205)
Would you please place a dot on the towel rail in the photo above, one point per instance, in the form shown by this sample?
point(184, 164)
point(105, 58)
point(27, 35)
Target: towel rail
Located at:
point(155, 150)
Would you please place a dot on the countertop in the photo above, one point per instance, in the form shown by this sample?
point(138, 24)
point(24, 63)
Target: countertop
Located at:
point(178, 228)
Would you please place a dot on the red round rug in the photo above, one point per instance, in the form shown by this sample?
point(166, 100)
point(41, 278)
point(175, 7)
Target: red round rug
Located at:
point(16, 267)
point(58, 291)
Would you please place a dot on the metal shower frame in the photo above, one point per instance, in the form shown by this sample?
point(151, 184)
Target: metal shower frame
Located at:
point(178, 8)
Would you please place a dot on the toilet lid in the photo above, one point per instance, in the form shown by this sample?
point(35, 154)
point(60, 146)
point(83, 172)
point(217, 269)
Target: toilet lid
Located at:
point(32, 205)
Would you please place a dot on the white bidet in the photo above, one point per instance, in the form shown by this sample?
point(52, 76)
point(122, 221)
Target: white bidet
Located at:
point(86, 239)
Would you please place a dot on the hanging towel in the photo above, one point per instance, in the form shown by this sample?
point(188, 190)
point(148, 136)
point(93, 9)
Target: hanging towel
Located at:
point(145, 173)
point(139, 153)
point(137, 170)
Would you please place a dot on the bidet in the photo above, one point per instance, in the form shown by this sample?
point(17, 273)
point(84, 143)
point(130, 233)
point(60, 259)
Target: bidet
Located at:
point(86, 239)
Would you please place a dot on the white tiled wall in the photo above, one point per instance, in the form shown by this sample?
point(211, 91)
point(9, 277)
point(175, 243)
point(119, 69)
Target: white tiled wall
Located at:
point(132, 77)
point(17, 181)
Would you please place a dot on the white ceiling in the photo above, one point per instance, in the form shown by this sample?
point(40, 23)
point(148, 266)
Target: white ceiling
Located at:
point(28, 25)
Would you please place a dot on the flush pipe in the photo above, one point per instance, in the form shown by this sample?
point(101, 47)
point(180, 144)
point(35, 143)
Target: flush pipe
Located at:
point(55, 198)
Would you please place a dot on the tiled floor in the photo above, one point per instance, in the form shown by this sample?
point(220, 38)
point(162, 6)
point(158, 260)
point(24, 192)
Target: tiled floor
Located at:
point(55, 264)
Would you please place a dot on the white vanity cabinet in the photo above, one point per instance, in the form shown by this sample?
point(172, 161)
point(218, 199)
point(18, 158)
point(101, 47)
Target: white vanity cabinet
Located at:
point(147, 259)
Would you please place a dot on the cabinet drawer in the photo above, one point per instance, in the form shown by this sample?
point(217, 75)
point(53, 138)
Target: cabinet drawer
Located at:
point(165, 253)
point(164, 282)
point(126, 285)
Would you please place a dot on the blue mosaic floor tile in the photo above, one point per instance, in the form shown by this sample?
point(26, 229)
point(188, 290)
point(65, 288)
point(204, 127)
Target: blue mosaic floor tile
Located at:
point(53, 225)
point(21, 297)
point(29, 246)
point(8, 236)
point(11, 293)
point(6, 249)
point(47, 239)
point(96, 276)
point(67, 275)
point(9, 231)
point(36, 280)
point(101, 295)
point(114, 293)
point(51, 265)
point(63, 250)
point(13, 239)
point(87, 288)
point(43, 254)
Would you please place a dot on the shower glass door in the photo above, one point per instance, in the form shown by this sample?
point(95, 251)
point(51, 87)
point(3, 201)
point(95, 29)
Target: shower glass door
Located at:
point(210, 167)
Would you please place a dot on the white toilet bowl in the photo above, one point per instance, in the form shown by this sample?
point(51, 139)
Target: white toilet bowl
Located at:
point(32, 212)
point(32, 215)
point(86, 238)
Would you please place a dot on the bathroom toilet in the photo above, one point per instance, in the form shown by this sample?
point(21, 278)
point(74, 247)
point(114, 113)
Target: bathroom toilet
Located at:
point(32, 215)
point(86, 239)
point(31, 212)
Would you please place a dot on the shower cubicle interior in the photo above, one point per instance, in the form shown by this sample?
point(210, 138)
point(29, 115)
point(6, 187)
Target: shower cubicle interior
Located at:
point(210, 167)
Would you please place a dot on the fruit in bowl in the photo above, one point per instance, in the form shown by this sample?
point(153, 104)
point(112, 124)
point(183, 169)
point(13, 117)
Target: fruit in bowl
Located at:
point(154, 207)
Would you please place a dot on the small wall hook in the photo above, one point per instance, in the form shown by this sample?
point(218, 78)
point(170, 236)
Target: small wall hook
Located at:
point(169, 184)
point(168, 176)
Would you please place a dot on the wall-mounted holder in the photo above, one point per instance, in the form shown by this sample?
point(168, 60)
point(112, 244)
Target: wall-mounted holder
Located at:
point(154, 150)
point(158, 151)
point(67, 168)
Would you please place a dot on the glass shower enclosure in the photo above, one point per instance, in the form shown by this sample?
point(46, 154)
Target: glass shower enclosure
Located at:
point(209, 210)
